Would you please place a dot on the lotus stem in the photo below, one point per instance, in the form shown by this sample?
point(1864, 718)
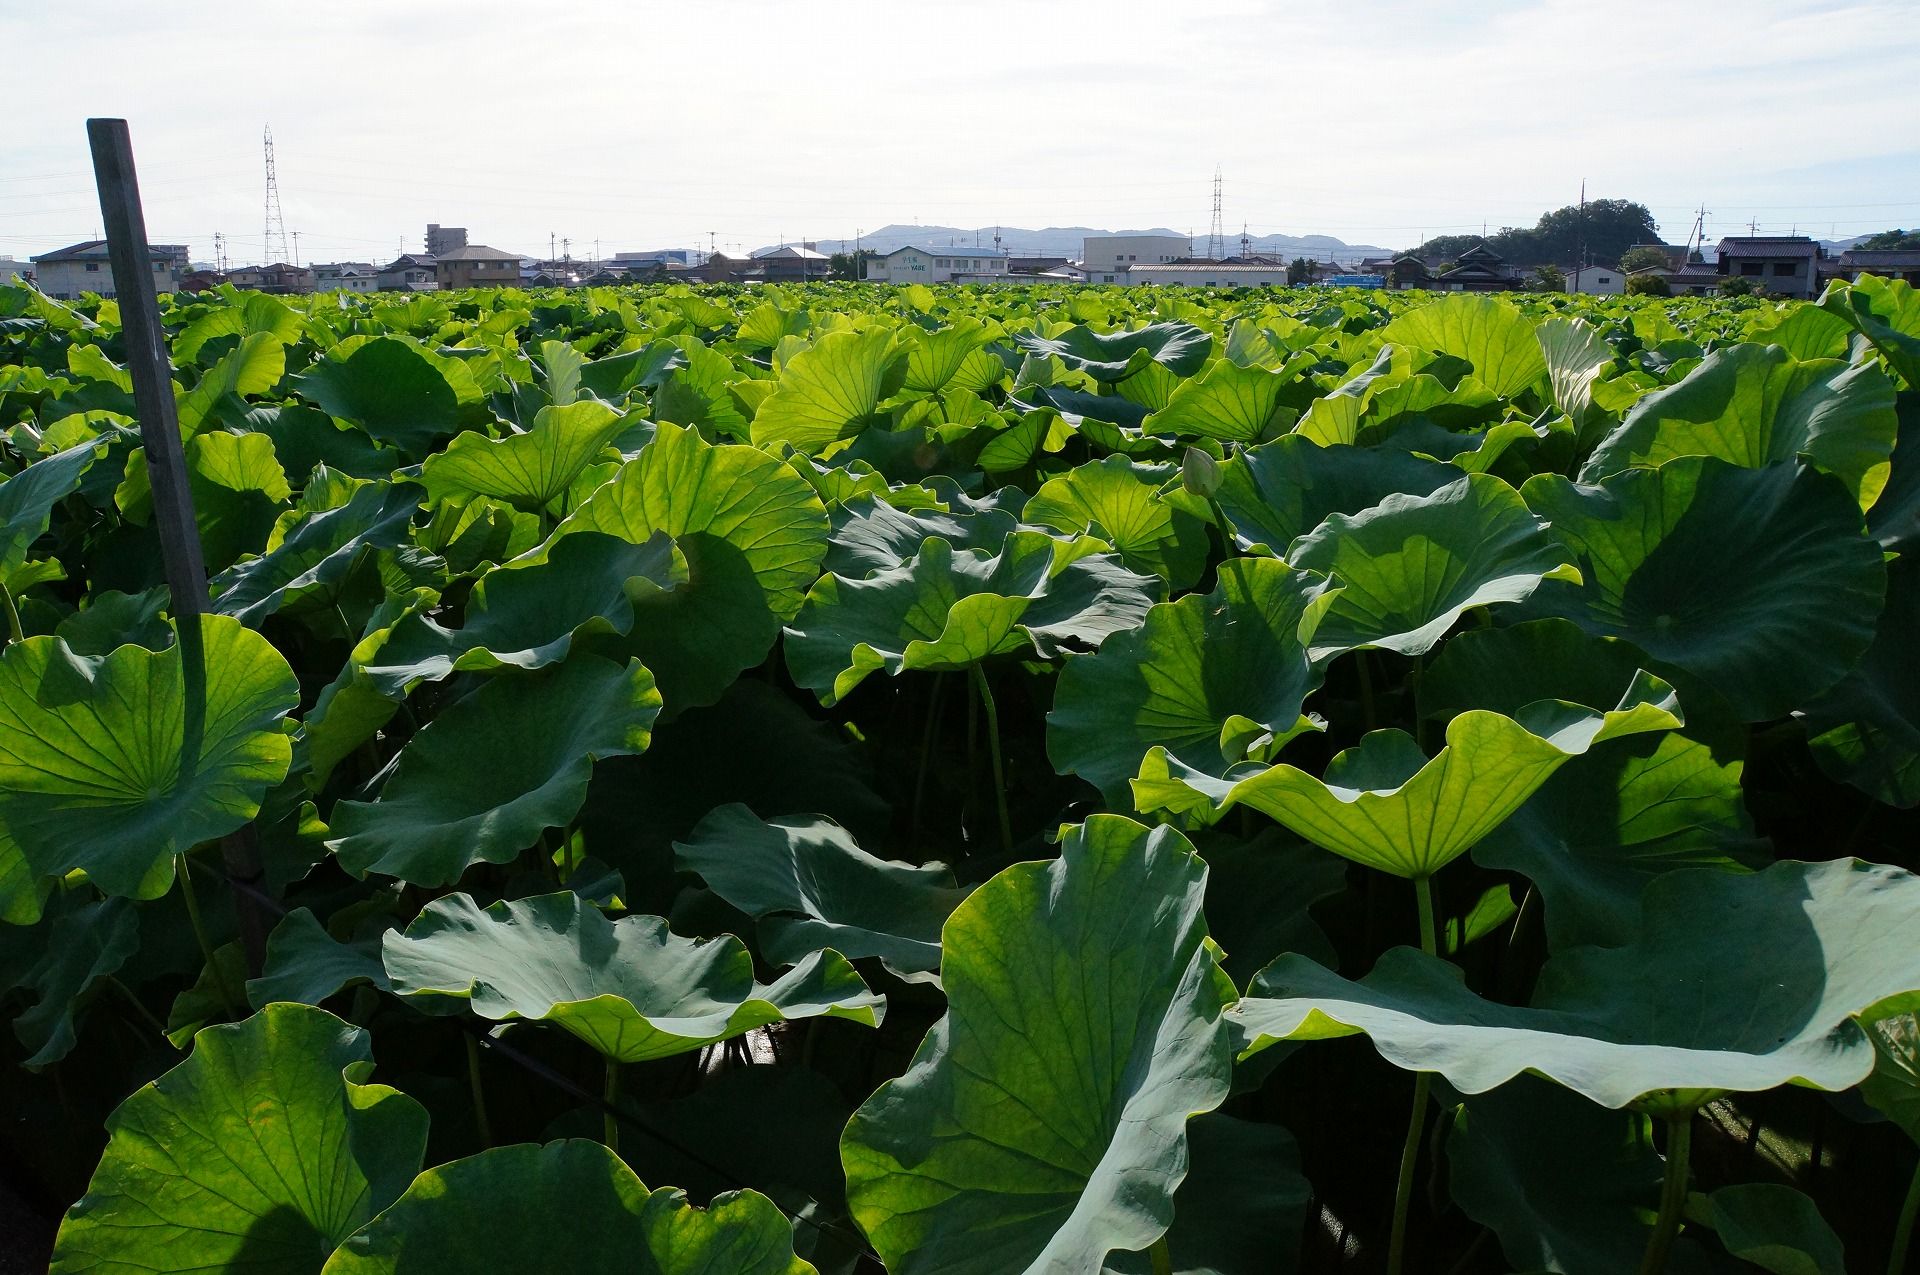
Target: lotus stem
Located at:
point(993, 749)
point(1673, 1195)
point(610, 1095)
point(936, 701)
point(1367, 717)
point(146, 1015)
point(14, 633)
point(1417, 1120)
point(1903, 1229)
point(480, 1120)
point(200, 936)
point(1162, 1257)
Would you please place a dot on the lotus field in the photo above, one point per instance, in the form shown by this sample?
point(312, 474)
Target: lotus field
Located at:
point(967, 781)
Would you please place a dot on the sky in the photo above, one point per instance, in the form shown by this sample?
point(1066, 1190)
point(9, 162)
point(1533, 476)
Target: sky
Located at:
point(624, 126)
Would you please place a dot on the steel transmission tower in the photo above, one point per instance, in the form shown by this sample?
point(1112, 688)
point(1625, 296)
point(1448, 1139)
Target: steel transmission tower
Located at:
point(275, 248)
point(1217, 239)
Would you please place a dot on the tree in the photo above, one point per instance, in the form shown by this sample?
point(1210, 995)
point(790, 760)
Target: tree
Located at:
point(1736, 286)
point(1547, 279)
point(1300, 270)
point(1648, 285)
point(842, 265)
point(1642, 259)
point(1605, 228)
point(1890, 239)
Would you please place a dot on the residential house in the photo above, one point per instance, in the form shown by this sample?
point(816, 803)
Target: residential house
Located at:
point(720, 268)
point(201, 280)
point(346, 276)
point(1784, 265)
point(792, 263)
point(409, 272)
point(1694, 277)
point(659, 256)
point(1603, 281)
point(477, 266)
point(1104, 255)
point(1479, 269)
point(939, 265)
point(280, 279)
point(83, 267)
point(1889, 263)
point(1035, 265)
point(443, 239)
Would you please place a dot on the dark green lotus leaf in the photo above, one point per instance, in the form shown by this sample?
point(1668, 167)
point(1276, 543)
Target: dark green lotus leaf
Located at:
point(28, 497)
point(1412, 565)
point(630, 988)
point(1566, 1184)
point(1277, 492)
point(1764, 996)
point(565, 1206)
point(1114, 356)
point(83, 949)
point(304, 437)
point(252, 367)
point(1214, 680)
point(1775, 1228)
point(832, 390)
point(1393, 392)
point(1866, 730)
point(396, 389)
point(1118, 501)
point(1042, 1125)
point(529, 471)
point(944, 610)
point(1894, 1086)
point(1259, 895)
point(871, 534)
point(262, 1151)
point(613, 377)
point(352, 708)
point(1242, 1206)
point(812, 887)
point(1385, 804)
point(528, 616)
point(1228, 402)
point(1078, 408)
point(1887, 313)
point(306, 965)
point(308, 560)
point(485, 778)
point(752, 532)
point(109, 766)
point(1756, 405)
point(1492, 335)
point(1757, 581)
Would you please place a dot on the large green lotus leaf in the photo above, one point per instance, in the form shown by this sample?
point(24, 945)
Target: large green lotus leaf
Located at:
point(485, 778)
point(529, 471)
point(1385, 804)
point(1576, 355)
point(1887, 313)
point(870, 534)
point(1490, 334)
point(1227, 401)
point(1894, 1086)
point(1214, 680)
point(308, 560)
point(630, 988)
point(254, 366)
point(306, 965)
point(1755, 405)
point(1757, 581)
point(1775, 1228)
point(256, 312)
point(83, 949)
point(1894, 520)
point(396, 389)
point(1079, 409)
point(1279, 491)
point(1732, 983)
point(28, 497)
point(1412, 565)
point(944, 610)
point(1804, 331)
point(1242, 1207)
point(1118, 500)
point(108, 765)
point(1114, 356)
point(1042, 1124)
point(752, 532)
point(812, 887)
point(528, 616)
point(832, 390)
point(261, 1152)
point(1390, 393)
point(1566, 1184)
point(565, 1206)
point(1866, 730)
point(936, 358)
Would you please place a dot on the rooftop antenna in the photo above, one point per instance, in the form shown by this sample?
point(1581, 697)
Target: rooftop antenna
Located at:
point(276, 225)
point(1216, 238)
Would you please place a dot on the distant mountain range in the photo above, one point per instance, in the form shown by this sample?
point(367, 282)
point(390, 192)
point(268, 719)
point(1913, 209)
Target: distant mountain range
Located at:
point(1067, 241)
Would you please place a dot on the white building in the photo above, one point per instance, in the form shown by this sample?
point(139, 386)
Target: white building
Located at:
point(939, 265)
point(346, 276)
point(83, 267)
point(1201, 274)
point(1594, 280)
point(1104, 255)
point(12, 271)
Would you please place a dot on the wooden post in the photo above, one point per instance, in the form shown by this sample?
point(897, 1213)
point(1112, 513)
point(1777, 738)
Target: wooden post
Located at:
point(132, 262)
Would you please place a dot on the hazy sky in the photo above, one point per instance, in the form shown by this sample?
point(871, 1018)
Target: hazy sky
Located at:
point(644, 126)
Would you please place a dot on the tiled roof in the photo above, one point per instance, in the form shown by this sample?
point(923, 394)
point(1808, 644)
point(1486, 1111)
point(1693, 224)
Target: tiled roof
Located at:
point(96, 250)
point(1868, 258)
point(478, 252)
point(1768, 246)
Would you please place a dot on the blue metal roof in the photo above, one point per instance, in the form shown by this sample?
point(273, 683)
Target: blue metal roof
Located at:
point(949, 252)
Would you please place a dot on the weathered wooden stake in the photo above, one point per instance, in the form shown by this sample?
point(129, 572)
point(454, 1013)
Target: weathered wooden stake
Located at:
point(132, 262)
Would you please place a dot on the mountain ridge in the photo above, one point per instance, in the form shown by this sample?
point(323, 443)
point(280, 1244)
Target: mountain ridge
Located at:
point(1066, 241)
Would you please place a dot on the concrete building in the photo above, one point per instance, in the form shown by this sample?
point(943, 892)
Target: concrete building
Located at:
point(659, 256)
point(938, 265)
point(346, 276)
point(1599, 281)
point(409, 272)
point(477, 267)
point(1785, 265)
point(280, 279)
point(443, 239)
point(1202, 274)
point(1102, 255)
point(792, 263)
point(12, 271)
point(83, 267)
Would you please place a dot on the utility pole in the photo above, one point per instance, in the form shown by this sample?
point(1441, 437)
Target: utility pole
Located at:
point(296, 247)
point(566, 249)
point(1246, 243)
point(219, 252)
point(553, 239)
point(1580, 258)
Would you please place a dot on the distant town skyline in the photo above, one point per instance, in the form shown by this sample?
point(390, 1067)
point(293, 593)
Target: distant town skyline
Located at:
point(1373, 121)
